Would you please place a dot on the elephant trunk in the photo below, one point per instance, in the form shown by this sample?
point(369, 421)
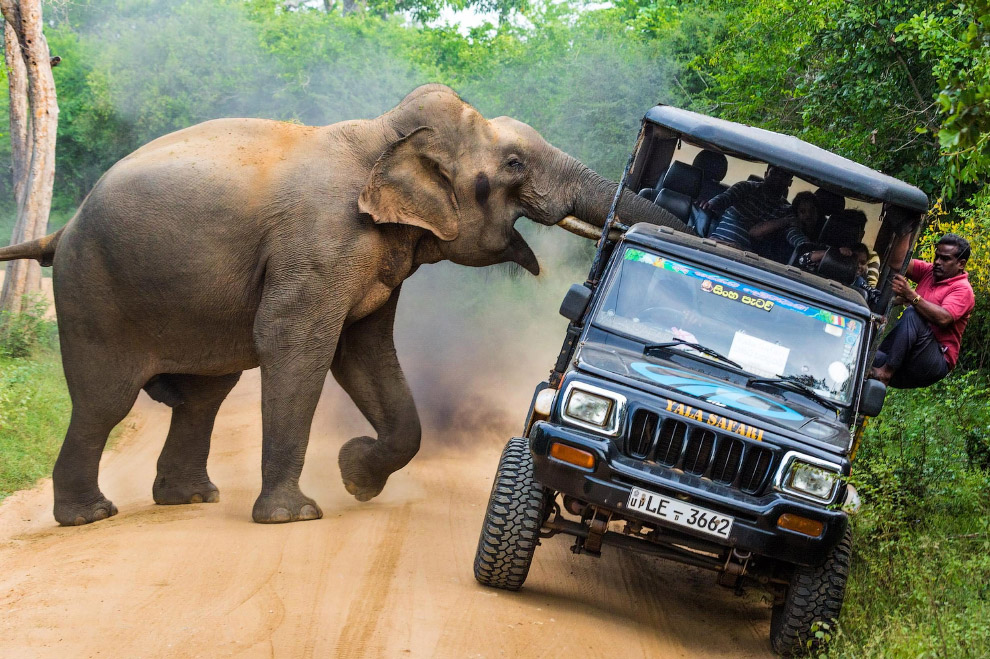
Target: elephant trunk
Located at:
point(593, 196)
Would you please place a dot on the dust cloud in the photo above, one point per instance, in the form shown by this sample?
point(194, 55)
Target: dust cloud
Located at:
point(474, 342)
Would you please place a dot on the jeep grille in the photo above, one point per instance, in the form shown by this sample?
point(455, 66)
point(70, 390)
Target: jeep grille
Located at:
point(698, 450)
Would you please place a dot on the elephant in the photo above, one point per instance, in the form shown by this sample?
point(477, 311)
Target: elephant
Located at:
point(239, 243)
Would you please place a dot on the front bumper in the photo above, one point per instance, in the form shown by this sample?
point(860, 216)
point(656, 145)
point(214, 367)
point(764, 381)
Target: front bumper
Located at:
point(608, 485)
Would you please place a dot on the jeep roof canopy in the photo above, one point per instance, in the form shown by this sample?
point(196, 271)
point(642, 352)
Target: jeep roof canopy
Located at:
point(807, 161)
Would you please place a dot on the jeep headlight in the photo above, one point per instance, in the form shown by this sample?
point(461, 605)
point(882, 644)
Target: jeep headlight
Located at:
point(592, 407)
point(809, 478)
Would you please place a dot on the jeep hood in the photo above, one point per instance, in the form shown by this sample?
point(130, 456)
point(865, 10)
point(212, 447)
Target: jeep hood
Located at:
point(730, 397)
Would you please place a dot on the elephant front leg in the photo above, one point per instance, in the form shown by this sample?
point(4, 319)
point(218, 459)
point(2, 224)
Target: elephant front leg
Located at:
point(367, 367)
point(295, 352)
point(289, 394)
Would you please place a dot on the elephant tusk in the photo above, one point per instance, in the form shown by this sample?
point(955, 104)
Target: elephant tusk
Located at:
point(585, 229)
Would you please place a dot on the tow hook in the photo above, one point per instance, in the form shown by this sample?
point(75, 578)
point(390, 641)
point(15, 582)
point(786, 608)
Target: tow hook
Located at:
point(734, 569)
point(597, 526)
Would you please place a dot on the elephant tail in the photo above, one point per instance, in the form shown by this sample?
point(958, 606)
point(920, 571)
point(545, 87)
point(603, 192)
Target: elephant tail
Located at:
point(42, 249)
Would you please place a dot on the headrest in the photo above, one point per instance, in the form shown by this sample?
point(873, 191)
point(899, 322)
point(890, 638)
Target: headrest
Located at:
point(838, 267)
point(682, 177)
point(677, 203)
point(838, 233)
point(713, 164)
point(829, 202)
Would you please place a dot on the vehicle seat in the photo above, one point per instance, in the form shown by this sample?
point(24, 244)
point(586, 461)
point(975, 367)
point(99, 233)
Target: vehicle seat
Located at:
point(714, 166)
point(678, 189)
point(837, 267)
point(830, 203)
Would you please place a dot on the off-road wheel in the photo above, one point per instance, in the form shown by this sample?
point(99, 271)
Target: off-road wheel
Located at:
point(814, 596)
point(511, 530)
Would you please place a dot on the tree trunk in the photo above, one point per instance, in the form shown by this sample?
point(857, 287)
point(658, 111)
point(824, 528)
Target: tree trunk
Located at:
point(33, 125)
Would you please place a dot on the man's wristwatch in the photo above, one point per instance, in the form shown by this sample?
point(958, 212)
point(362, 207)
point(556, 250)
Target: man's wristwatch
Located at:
point(916, 300)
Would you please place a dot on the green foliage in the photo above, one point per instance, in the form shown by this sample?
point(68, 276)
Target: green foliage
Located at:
point(586, 95)
point(920, 575)
point(34, 410)
point(831, 72)
point(957, 42)
point(21, 333)
point(326, 68)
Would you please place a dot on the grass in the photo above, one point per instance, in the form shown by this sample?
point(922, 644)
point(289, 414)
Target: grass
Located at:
point(34, 413)
point(34, 399)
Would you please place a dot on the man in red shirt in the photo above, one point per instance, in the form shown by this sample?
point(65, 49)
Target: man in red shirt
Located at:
point(923, 346)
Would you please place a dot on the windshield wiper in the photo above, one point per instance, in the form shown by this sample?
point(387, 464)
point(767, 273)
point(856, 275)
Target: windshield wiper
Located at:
point(796, 383)
point(705, 350)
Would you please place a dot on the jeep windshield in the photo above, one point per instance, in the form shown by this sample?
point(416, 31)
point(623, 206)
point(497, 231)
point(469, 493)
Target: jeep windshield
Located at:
point(657, 300)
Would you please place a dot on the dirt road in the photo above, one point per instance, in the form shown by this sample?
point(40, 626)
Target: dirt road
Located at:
point(389, 578)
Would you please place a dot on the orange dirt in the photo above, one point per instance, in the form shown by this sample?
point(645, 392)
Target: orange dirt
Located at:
point(389, 578)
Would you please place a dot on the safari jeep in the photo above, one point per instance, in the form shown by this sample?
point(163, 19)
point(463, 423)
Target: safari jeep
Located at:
point(706, 404)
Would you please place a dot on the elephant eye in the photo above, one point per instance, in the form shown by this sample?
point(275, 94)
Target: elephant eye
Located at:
point(515, 164)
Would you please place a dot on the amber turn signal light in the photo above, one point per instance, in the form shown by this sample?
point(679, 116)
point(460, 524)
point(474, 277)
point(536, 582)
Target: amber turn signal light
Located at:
point(801, 525)
point(572, 455)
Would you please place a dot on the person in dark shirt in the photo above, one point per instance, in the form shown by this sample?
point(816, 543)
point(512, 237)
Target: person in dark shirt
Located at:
point(752, 209)
point(780, 245)
point(846, 228)
point(924, 344)
point(808, 216)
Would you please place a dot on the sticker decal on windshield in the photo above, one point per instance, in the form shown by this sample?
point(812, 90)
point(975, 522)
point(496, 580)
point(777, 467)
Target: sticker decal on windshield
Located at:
point(735, 290)
point(718, 289)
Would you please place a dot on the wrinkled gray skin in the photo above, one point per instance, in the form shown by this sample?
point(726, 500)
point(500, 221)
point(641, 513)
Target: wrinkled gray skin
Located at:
point(240, 243)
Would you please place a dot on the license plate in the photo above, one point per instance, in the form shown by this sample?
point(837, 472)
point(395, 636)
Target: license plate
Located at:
point(680, 513)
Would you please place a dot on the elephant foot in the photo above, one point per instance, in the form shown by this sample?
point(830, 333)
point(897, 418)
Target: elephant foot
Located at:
point(77, 514)
point(282, 506)
point(359, 470)
point(168, 493)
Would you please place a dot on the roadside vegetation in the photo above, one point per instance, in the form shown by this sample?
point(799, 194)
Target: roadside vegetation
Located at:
point(34, 401)
point(902, 86)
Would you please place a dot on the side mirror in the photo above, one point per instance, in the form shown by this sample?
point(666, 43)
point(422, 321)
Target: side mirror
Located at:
point(575, 302)
point(871, 399)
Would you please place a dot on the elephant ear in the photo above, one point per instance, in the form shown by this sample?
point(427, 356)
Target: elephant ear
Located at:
point(411, 185)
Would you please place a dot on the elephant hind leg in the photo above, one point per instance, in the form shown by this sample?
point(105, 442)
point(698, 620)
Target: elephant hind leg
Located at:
point(103, 391)
point(182, 476)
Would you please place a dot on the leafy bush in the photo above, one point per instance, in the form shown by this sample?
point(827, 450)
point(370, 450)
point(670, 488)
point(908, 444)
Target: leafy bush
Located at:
point(34, 413)
point(920, 582)
point(21, 333)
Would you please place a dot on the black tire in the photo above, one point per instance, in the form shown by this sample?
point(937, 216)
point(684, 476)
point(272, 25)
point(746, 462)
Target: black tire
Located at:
point(511, 530)
point(814, 596)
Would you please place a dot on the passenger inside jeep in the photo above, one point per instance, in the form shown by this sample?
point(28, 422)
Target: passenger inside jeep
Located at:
point(814, 230)
point(750, 211)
